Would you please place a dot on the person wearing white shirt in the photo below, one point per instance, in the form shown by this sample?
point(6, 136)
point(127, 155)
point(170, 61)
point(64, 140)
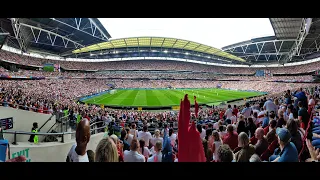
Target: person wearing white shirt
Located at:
point(156, 137)
point(233, 118)
point(133, 155)
point(129, 137)
point(133, 130)
point(172, 137)
point(143, 149)
point(157, 156)
point(228, 112)
point(270, 106)
point(145, 135)
point(201, 131)
point(78, 152)
point(247, 111)
point(290, 111)
point(74, 157)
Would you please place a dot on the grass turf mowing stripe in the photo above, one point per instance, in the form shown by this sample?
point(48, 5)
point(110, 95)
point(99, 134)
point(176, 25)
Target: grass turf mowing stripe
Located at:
point(166, 97)
point(140, 98)
point(153, 100)
point(111, 97)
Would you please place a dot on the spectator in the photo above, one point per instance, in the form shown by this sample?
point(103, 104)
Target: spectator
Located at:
point(255, 158)
point(228, 112)
point(271, 135)
point(78, 152)
point(262, 144)
point(123, 138)
point(217, 142)
point(106, 151)
point(247, 111)
point(145, 135)
point(303, 116)
point(143, 149)
point(225, 154)
point(281, 122)
point(231, 138)
point(201, 131)
point(296, 138)
point(235, 110)
point(156, 138)
point(133, 155)
point(91, 155)
point(129, 136)
point(157, 156)
point(34, 138)
point(172, 136)
point(246, 151)
point(251, 127)
point(265, 121)
point(287, 151)
point(241, 127)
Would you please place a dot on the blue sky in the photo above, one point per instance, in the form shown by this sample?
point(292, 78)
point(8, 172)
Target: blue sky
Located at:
point(216, 32)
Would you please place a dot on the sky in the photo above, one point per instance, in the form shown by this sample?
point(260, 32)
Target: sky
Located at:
point(215, 32)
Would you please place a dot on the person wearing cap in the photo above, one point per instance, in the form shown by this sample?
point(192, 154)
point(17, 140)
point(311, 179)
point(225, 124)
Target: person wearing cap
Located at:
point(289, 152)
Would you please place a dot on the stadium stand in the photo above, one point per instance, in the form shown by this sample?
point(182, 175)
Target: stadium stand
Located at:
point(280, 126)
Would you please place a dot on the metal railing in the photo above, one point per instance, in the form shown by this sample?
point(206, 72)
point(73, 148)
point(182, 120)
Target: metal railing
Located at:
point(45, 134)
point(46, 122)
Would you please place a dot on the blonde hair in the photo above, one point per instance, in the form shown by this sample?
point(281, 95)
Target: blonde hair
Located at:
point(216, 135)
point(114, 138)
point(243, 139)
point(106, 151)
point(157, 133)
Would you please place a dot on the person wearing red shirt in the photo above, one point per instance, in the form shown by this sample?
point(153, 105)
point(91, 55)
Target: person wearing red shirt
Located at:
point(235, 110)
point(221, 114)
point(231, 137)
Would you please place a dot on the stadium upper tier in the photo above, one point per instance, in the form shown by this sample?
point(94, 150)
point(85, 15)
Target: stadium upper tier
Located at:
point(153, 65)
point(160, 44)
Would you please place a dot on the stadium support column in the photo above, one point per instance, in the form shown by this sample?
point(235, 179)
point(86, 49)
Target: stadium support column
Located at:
point(17, 32)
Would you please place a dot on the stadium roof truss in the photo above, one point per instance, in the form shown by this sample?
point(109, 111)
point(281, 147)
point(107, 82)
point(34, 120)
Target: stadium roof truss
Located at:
point(58, 35)
point(295, 39)
point(266, 50)
point(157, 42)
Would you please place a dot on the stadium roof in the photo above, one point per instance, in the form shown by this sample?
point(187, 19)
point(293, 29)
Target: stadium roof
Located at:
point(286, 28)
point(54, 35)
point(157, 42)
point(295, 40)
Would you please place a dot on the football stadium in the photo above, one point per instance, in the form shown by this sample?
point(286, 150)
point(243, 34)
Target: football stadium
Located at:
point(95, 90)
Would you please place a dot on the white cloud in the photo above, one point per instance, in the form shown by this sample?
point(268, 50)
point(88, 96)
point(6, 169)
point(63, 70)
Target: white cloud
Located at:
point(216, 32)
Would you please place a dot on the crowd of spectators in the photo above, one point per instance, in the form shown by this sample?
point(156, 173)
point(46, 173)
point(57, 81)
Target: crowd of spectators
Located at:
point(268, 128)
point(154, 65)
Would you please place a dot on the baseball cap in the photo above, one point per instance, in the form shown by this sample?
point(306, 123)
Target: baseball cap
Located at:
point(283, 134)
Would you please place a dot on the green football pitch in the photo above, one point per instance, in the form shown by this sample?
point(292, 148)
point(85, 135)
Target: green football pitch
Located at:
point(166, 97)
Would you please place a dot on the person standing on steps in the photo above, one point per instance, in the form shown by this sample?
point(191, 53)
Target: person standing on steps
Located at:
point(34, 138)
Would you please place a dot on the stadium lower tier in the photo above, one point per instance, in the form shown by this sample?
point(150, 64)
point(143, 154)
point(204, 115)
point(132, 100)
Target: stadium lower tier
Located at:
point(165, 98)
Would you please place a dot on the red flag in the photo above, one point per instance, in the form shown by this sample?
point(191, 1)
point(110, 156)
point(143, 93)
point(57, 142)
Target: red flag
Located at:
point(196, 106)
point(190, 146)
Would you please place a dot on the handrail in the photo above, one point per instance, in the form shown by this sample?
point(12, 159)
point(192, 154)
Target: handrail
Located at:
point(51, 127)
point(46, 122)
point(43, 134)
